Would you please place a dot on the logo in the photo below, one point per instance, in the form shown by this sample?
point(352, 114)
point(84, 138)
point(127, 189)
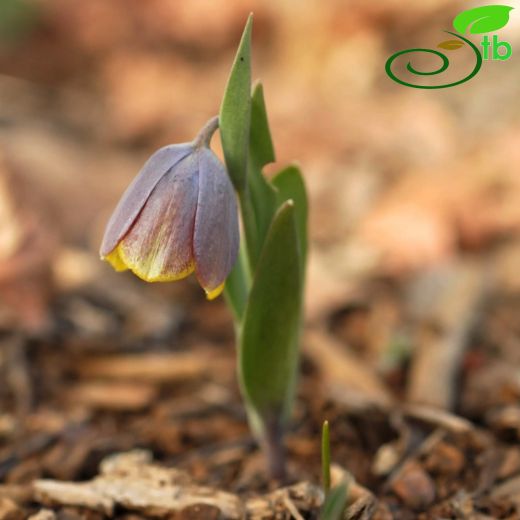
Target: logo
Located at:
point(480, 20)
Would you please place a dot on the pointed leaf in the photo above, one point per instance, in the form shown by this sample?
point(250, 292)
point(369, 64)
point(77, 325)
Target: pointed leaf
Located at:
point(268, 353)
point(262, 149)
point(235, 112)
point(263, 201)
point(335, 503)
point(290, 185)
point(261, 192)
point(451, 45)
point(482, 19)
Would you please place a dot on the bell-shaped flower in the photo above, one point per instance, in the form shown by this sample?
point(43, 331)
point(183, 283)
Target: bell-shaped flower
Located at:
point(178, 216)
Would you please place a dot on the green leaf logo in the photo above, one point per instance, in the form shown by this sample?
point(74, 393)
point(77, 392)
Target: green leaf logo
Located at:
point(451, 45)
point(482, 19)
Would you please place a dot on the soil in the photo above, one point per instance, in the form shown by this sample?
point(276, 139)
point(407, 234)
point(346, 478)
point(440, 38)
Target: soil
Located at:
point(91, 387)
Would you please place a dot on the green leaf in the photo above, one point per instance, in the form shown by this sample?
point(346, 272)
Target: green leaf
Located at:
point(451, 45)
point(335, 503)
point(482, 19)
point(235, 112)
point(237, 285)
point(262, 150)
point(268, 353)
point(290, 185)
point(261, 192)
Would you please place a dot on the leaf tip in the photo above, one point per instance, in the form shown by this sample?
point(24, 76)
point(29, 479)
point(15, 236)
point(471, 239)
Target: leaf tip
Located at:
point(257, 86)
point(245, 40)
point(249, 23)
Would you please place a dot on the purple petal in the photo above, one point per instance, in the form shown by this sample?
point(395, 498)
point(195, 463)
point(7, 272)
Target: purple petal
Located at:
point(138, 192)
point(159, 246)
point(216, 237)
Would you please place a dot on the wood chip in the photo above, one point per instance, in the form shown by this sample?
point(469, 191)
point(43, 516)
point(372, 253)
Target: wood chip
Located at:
point(414, 486)
point(439, 418)
point(505, 420)
point(131, 482)
point(443, 335)
point(445, 459)
point(510, 464)
point(362, 504)
point(113, 396)
point(303, 496)
point(18, 493)
point(155, 368)
point(44, 514)
point(346, 377)
point(387, 458)
point(9, 510)
point(509, 489)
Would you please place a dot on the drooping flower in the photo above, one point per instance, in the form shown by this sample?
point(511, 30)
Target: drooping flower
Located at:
point(178, 216)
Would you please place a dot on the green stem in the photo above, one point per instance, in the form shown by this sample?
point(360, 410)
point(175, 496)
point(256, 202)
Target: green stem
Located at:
point(250, 228)
point(238, 284)
point(325, 456)
point(274, 449)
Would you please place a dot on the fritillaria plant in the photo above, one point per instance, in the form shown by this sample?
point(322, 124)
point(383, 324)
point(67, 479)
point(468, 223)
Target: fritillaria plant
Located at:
point(180, 216)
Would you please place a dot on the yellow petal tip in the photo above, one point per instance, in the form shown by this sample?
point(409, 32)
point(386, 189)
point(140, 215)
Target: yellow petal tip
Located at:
point(115, 260)
point(148, 269)
point(211, 295)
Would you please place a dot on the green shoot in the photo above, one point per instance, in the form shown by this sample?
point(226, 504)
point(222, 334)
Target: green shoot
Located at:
point(325, 457)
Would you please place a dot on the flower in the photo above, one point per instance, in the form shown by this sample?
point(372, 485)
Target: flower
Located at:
point(178, 216)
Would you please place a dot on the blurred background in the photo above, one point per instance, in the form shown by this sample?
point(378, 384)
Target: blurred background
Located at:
point(415, 215)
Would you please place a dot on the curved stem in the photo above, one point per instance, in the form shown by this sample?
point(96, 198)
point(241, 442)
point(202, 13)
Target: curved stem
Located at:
point(206, 133)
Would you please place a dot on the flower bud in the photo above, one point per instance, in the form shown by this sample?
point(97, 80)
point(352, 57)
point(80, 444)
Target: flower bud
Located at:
point(178, 216)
